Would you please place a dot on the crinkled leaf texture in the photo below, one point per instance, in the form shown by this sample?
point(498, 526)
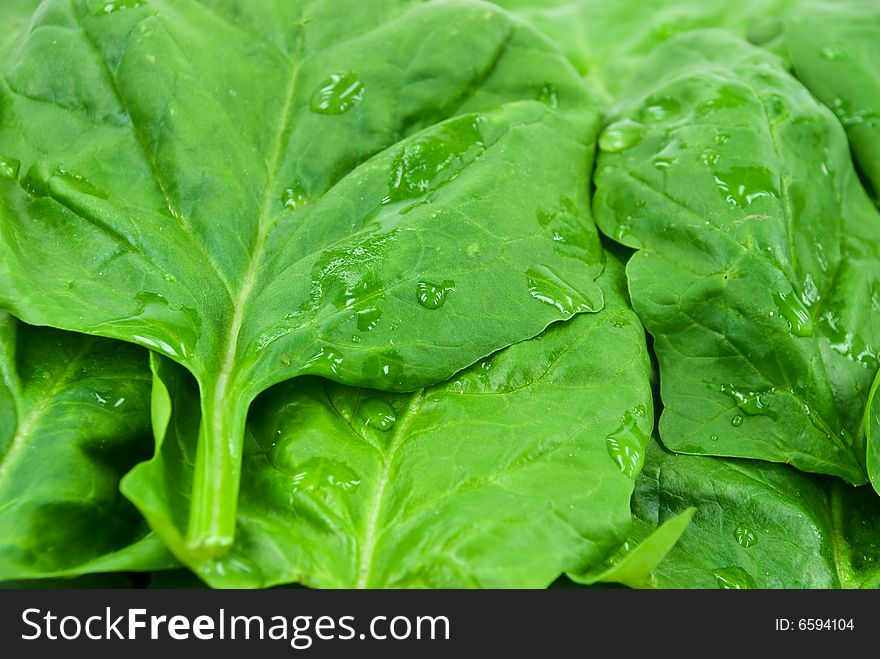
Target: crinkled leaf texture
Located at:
point(758, 525)
point(379, 193)
point(516, 470)
point(758, 270)
point(835, 50)
point(609, 41)
point(74, 417)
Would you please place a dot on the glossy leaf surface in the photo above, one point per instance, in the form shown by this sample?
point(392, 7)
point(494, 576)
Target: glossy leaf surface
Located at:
point(514, 471)
point(377, 193)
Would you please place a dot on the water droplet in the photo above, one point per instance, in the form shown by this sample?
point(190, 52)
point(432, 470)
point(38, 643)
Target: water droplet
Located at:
point(795, 313)
point(549, 96)
point(294, 196)
point(368, 318)
point(346, 276)
point(621, 135)
point(9, 168)
point(851, 116)
point(626, 446)
point(714, 438)
point(810, 294)
point(433, 296)
point(337, 94)
point(101, 400)
point(721, 138)
point(79, 183)
point(548, 287)
point(745, 536)
point(103, 7)
point(663, 163)
point(736, 421)
point(119, 402)
point(743, 185)
point(378, 414)
point(733, 578)
point(710, 157)
point(322, 473)
point(832, 53)
point(325, 361)
point(434, 158)
point(171, 279)
point(382, 369)
point(752, 403)
point(659, 109)
point(727, 97)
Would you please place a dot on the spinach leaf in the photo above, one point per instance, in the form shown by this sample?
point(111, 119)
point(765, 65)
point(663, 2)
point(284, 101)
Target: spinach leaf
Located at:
point(514, 471)
point(377, 193)
point(635, 562)
point(835, 50)
point(14, 15)
point(74, 417)
point(609, 41)
point(758, 270)
point(758, 525)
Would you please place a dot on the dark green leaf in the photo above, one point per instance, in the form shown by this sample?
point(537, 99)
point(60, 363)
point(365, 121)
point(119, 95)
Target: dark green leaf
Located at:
point(74, 417)
point(758, 525)
point(759, 268)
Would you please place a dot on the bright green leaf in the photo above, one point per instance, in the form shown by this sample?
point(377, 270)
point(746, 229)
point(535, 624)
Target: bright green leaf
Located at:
point(634, 563)
point(758, 270)
point(835, 50)
point(380, 193)
point(516, 470)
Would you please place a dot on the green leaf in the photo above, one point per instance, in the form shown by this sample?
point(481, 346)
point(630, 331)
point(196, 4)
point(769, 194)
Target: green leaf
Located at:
point(14, 15)
point(74, 418)
point(758, 525)
point(609, 41)
point(377, 193)
point(835, 51)
point(634, 563)
point(758, 270)
point(516, 470)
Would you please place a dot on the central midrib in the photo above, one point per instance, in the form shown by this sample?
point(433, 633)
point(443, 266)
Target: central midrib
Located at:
point(27, 426)
point(368, 547)
point(221, 386)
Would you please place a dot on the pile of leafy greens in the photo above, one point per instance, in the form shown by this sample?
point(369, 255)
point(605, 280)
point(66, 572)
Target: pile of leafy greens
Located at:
point(440, 293)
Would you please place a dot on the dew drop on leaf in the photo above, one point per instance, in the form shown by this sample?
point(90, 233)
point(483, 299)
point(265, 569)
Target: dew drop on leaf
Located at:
point(548, 287)
point(743, 185)
point(549, 96)
point(104, 7)
point(745, 536)
point(736, 421)
point(324, 361)
point(795, 313)
point(620, 136)
point(733, 578)
point(377, 413)
point(626, 446)
point(337, 94)
point(659, 109)
point(322, 473)
point(832, 53)
point(293, 196)
point(9, 168)
point(432, 296)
